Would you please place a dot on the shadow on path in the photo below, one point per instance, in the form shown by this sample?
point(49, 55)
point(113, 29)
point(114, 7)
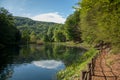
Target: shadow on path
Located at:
point(102, 71)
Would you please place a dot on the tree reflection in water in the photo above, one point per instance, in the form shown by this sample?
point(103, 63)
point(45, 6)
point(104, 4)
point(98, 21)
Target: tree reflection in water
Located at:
point(36, 54)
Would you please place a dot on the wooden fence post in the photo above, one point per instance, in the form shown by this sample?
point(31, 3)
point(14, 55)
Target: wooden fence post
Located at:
point(93, 65)
point(89, 71)
point(87, 75)
point(83, 75)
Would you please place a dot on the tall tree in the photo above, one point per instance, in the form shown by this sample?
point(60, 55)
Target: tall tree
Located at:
point(72, 27)
point(8, 33)
point(59, 34)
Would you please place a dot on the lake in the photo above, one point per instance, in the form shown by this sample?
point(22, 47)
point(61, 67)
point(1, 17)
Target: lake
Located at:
point(36, 62)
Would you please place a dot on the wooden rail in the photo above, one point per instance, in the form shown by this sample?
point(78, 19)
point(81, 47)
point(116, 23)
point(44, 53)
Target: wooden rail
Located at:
point(87, 74)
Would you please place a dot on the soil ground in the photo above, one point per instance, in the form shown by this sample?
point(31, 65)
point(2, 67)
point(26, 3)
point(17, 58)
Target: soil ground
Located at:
point(107, 67)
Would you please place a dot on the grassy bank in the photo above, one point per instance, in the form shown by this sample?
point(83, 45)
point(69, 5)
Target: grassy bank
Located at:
point(73, 44)
point(73, 71)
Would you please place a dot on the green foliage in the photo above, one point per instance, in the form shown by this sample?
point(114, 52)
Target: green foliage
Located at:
point(25, 36)
point(59, 34)
point(50, 33)
point(72, 27)
point(74, 70)
point(42, 30)
point(100, 21)
point(8, 33)
point(33, 37)
point(45, 38)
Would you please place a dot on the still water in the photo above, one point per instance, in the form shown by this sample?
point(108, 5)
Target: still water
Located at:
point(36, 62)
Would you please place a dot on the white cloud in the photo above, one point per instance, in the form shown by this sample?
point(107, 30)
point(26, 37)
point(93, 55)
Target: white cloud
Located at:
point(50, 17)
point(49, 64)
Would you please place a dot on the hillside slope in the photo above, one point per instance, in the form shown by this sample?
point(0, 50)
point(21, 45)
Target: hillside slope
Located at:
point(38, 27)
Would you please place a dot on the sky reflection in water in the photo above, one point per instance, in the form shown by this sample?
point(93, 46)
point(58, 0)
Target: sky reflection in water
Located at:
point(48, 64)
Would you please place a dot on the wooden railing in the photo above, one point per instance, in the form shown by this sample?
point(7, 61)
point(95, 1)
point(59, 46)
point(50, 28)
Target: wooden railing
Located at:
point(87, 74)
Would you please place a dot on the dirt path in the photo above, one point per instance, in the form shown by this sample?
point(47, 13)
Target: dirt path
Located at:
point(104, 71)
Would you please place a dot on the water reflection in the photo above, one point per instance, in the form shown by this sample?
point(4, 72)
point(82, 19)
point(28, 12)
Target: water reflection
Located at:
point(48, 64)
point(34, 62)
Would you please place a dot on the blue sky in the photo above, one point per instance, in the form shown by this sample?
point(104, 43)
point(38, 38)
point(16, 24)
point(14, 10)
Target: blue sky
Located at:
point(42, 10)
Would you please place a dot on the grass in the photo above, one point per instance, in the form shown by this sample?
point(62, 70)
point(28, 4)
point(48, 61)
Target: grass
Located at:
point(74, 70)
point(73, 44)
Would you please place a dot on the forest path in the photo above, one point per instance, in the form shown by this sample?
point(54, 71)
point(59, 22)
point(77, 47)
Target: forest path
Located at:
point(103, 71)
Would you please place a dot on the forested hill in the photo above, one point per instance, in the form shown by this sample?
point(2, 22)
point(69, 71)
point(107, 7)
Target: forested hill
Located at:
point(35, 30)
point(27, 24)
point(21, 21)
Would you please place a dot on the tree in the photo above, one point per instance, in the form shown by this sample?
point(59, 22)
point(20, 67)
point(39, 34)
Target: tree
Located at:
point(50, 33)
point(9, 34)
point(32, 37)
point(59, 34)
point(25, 36)
point(45, 38)
point(72, 27)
